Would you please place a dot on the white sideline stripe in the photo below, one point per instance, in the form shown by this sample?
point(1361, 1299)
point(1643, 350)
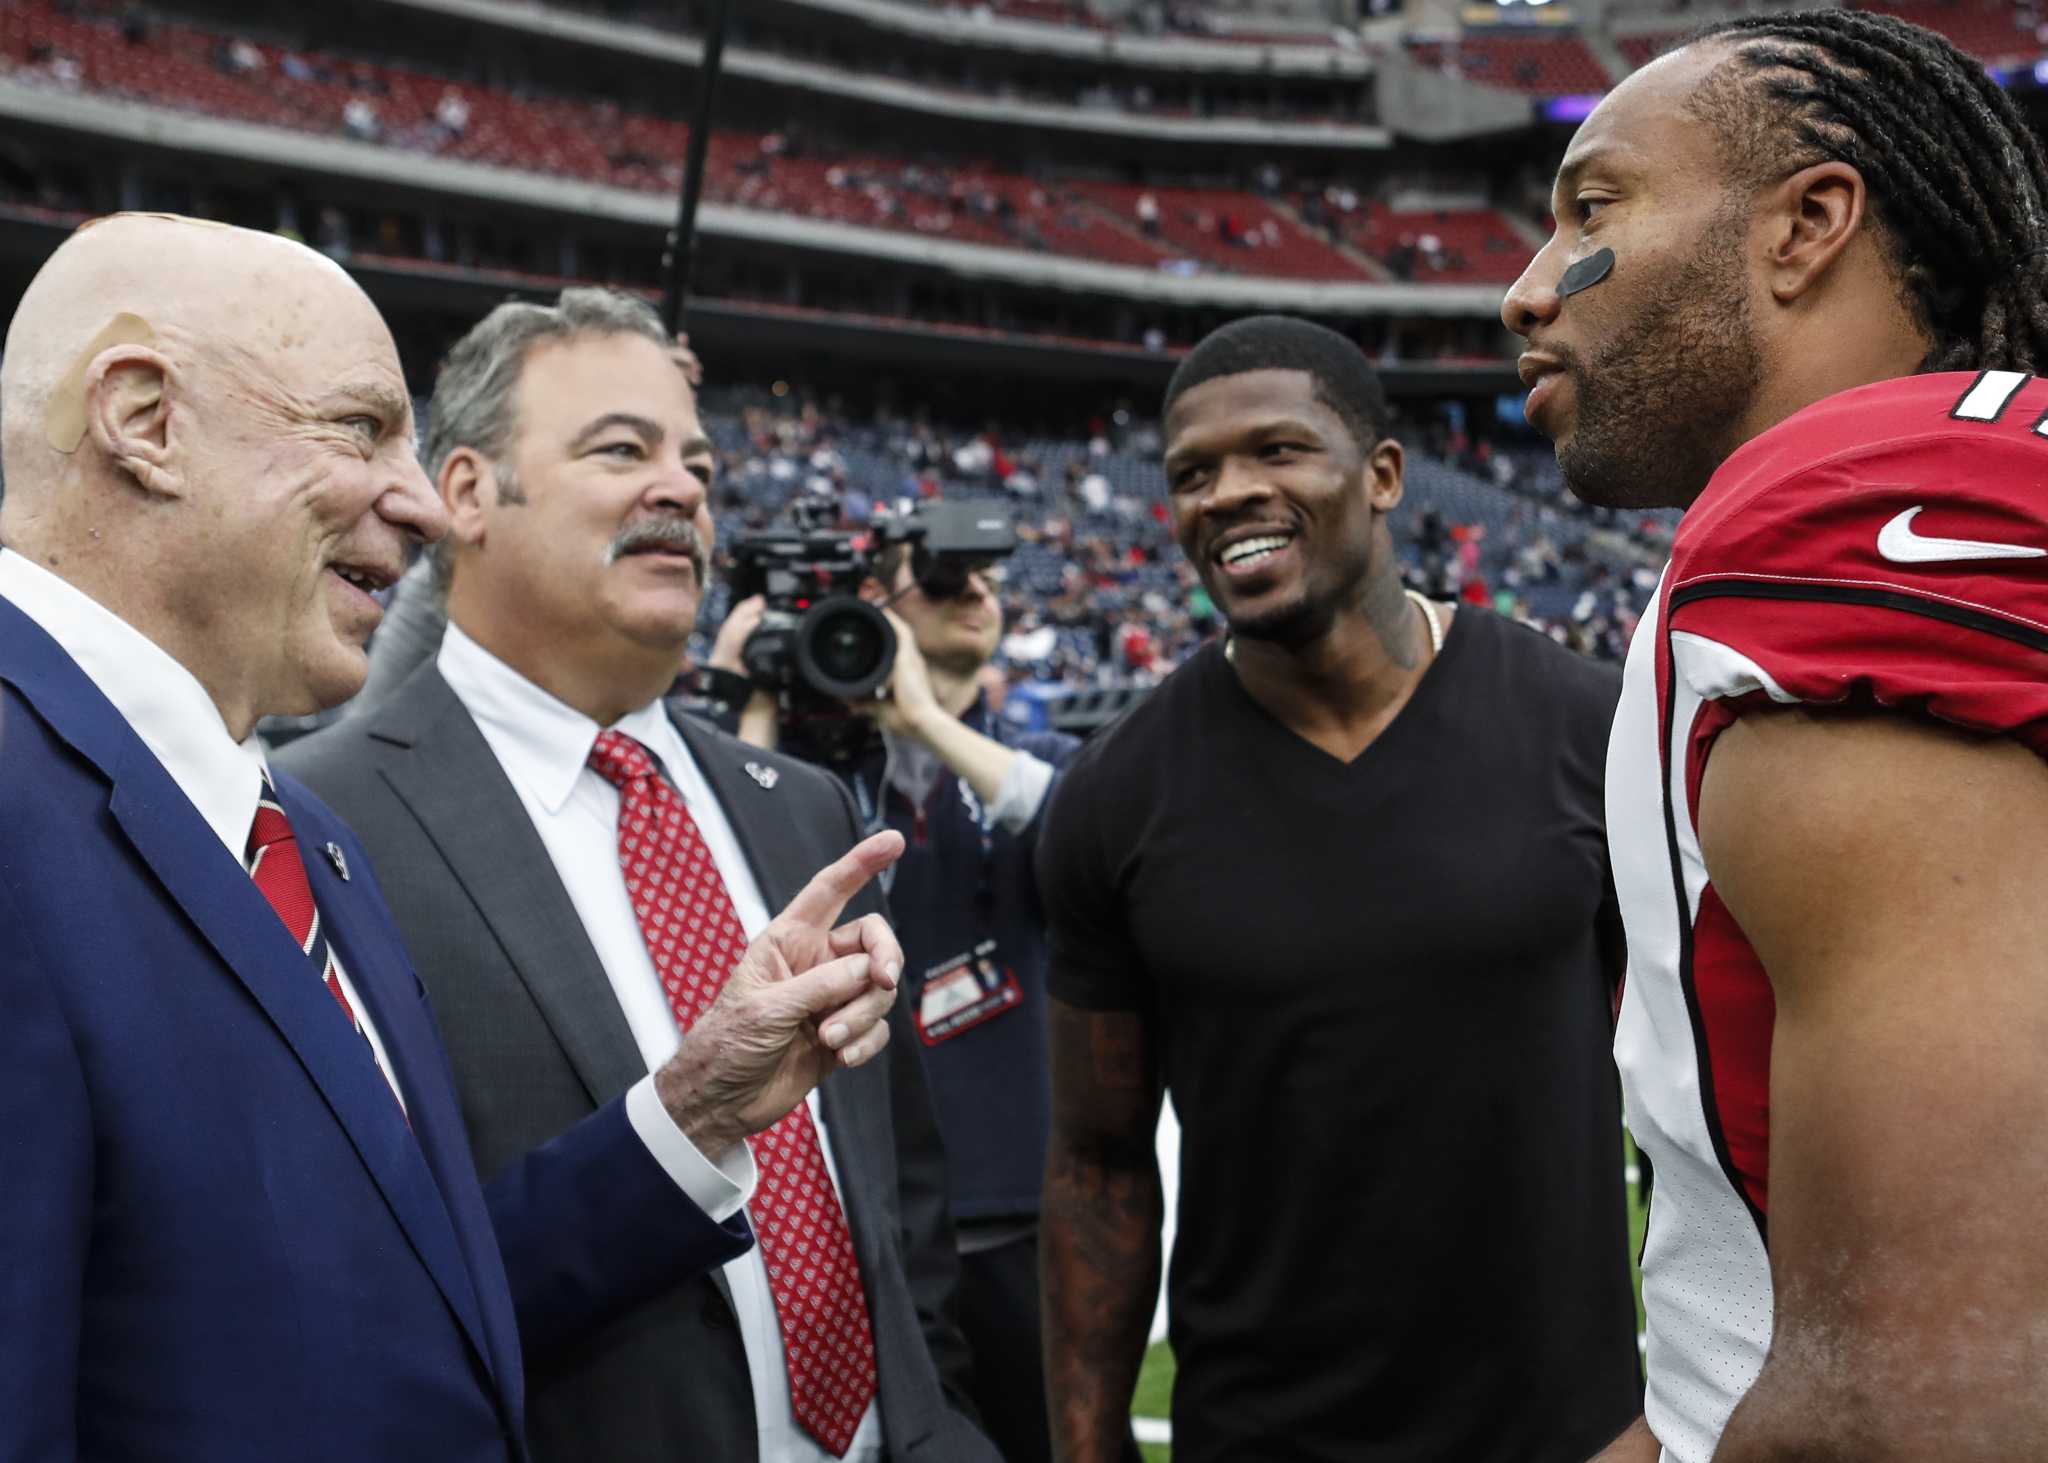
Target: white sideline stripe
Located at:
point(1152, 1429)
point(1169, 1184)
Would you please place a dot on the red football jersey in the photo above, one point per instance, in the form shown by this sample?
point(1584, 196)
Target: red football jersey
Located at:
point(1885, 547)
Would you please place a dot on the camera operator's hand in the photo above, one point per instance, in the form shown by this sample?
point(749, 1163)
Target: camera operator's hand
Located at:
point(911, 707)
point(728, 653)
point(805, 998)
point(741, 621)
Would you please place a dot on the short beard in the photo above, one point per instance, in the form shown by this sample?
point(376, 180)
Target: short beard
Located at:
point(1310, 618)
point(1291, 626)
point(1660, 407)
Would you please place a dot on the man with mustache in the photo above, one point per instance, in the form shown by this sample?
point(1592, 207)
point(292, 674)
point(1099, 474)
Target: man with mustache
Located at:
point(241, 1220)
point(570, 861)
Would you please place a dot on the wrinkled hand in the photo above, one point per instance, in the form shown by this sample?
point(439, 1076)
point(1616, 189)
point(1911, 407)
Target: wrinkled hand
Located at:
point(910, 700)
point(741, 621)
point(807, 997)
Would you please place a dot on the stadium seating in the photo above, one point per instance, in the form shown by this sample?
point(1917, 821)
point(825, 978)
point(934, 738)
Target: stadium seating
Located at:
point(1084, 565)
point(1543, 65)
point(1219, 230)
point(1989, 29)
point(1071, 13)
point(1230, 230)
point(1472, 244)
point(1992, 30)
point(1643, 49)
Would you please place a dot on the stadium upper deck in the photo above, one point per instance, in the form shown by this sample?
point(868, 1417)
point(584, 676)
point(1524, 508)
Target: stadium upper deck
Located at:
point(544, 141)
point(1303, 232)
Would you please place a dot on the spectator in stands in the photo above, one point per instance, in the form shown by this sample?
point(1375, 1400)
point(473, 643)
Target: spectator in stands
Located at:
point(359, 119)
point(452, 113)
point(1340, 885)
point(536, 806)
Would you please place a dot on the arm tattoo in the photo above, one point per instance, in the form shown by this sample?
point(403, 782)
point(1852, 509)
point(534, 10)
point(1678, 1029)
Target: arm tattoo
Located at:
point(1100, 1227)
point(1119, 1045)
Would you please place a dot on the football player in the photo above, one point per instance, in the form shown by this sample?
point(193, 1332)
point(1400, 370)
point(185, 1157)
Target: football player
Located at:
point(1798, 286)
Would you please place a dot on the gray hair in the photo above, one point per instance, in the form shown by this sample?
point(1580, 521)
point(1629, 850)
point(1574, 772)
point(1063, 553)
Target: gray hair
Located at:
point(475, 402)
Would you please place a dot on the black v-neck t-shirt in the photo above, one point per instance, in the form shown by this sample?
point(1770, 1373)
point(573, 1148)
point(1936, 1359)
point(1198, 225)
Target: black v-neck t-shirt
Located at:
point(1382, 996)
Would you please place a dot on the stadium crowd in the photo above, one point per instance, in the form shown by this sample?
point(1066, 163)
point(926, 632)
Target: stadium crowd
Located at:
point(1306, 227)
point(1097, 595)
point(632, 1019)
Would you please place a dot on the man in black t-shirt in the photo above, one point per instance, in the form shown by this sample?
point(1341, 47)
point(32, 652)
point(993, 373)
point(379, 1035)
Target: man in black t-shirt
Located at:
point(1341, 885)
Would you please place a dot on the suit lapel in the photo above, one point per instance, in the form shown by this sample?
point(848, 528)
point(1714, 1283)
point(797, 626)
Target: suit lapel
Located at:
point(233, 917)
point(850, 1102)
point(749, 809)
point(456, 788)
point(385, 986)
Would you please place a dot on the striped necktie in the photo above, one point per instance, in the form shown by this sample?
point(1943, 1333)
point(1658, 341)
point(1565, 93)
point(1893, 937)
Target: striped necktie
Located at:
point(280, 874)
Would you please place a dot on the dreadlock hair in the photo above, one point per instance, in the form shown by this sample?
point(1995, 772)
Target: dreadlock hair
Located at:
point(1956, 181)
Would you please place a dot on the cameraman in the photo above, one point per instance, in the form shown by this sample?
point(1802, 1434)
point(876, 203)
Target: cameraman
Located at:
point(967, 791)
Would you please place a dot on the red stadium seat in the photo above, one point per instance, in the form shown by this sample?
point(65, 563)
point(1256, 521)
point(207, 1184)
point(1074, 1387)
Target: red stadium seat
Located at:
point(1221, 229)
point(1548, 65)
point(1989, 29)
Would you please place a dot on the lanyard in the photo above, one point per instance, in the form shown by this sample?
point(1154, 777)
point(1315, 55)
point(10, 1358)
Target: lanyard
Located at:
point(872, 821)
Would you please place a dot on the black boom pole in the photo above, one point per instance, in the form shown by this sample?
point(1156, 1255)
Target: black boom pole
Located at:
point(682, 243)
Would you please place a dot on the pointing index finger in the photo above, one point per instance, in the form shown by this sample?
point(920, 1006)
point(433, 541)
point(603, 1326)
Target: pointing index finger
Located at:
point(820, 901)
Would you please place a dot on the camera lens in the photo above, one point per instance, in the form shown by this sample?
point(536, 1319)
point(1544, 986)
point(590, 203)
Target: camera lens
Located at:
point(848, 647)
point(845, 648)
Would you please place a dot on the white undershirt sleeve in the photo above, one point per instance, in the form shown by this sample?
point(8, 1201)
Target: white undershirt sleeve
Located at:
point(722, 1188)
point(1024, 788)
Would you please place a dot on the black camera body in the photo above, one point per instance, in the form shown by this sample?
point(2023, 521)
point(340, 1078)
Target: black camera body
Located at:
point(820, 645)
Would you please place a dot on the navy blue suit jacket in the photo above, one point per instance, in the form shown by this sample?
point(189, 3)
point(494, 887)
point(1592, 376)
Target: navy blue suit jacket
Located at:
point(219, 1238)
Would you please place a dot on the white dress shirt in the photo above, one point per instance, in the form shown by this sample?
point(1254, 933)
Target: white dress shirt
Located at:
point(164, 704)
point(544, 746)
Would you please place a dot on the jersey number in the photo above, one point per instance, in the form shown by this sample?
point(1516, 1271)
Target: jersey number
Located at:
point(1990, 394)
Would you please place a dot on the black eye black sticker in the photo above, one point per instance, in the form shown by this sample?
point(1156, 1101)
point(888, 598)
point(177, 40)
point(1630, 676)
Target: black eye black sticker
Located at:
point(1586, 273)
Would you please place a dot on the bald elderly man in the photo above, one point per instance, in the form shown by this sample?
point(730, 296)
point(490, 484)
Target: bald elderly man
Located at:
point(239, 1218)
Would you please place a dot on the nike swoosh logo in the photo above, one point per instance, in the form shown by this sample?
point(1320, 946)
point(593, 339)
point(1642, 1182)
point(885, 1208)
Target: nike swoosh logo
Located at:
point(1898, 543)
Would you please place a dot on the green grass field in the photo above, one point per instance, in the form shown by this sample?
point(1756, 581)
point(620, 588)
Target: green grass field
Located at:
point(1154, 1397)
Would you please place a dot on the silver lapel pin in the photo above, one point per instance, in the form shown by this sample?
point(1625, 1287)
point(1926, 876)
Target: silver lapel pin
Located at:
point(339, 860)
point(766, 776)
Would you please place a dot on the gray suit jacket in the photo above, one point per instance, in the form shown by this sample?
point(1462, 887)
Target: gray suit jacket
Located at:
point(537, 1041)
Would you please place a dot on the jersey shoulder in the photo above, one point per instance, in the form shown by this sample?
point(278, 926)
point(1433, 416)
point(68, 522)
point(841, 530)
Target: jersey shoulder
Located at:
point(1888, 548)
point(1878, 482)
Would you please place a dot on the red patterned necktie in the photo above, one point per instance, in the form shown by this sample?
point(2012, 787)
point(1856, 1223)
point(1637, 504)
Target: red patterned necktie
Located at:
point(694, 936)
point(280, 874)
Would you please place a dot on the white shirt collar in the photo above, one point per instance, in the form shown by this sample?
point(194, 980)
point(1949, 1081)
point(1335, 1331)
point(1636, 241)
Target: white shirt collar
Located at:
point(161, 700)
point(544, 742)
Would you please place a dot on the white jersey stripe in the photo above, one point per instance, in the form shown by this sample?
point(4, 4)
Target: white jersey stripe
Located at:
point(1706, 1272)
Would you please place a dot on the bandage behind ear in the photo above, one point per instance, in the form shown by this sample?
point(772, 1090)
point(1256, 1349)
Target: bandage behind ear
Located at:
point(64, 417)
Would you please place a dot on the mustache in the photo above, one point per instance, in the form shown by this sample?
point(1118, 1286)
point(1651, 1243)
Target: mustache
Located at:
point(672, 535)
point(1567, 358)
